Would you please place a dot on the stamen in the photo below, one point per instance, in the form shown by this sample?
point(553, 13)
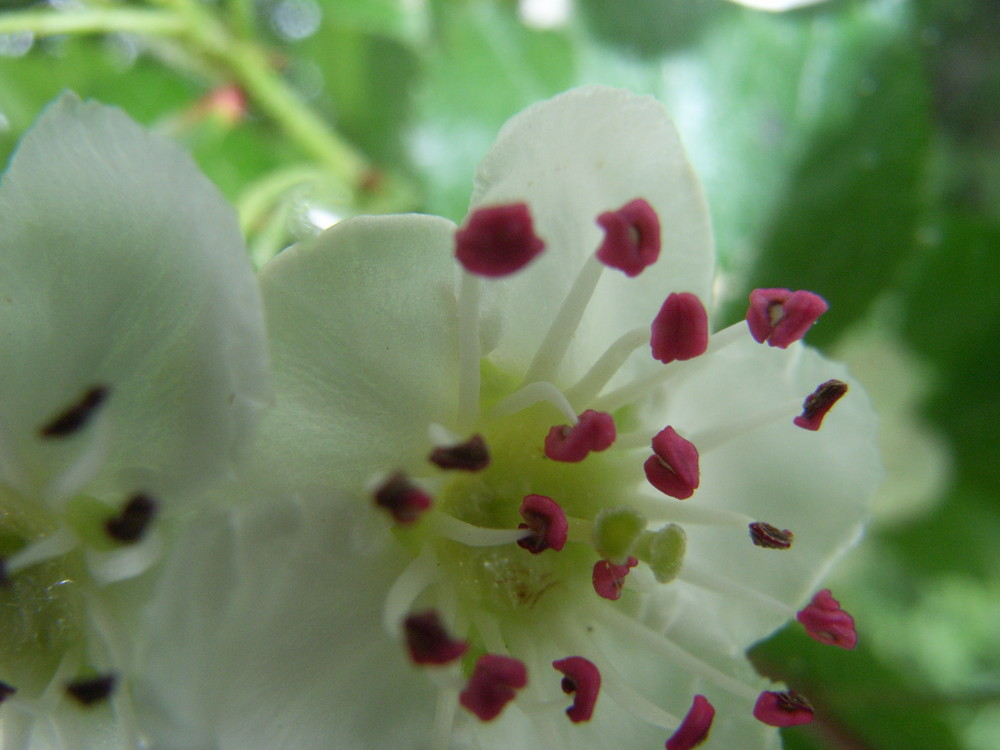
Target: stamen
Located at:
point(417, 576)
point(532, 394)
point(494, 683)
point(472, 455)
point(130, 525)
point(444, 718)
point(693, 731)
point(6, 691)
point(819, 402)
point(782, 709)
point(474, 536)
point(469, 350)
point(609, 579)
point(826, 622)
point(402, 499)
point(55, 545)
point(781, 317)
point(497, 240)
point(547, 523)
point(428, 642)
point(594, 431)
point(76, 417)
point(631, 237)
point(553, 347)
point(607, 366)
point(711, 438)
point(582, 679)
point(90, 690)
point(663, 509)
point(680, 330)
point(673, 469)
point(713, 582)
point(770, 537)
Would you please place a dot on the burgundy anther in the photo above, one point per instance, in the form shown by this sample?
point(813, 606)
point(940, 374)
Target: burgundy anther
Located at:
point(403, 499)
point(494, 683)
point(770, 537)
point(673, 469)
point(497, 240)
point(609, 579)
point(472, 455)
point(547, 522)
point(680, 329)
point(428, 641)
point(694, 729)
point(594, 431)
point(818, 403)
point(91, 690)
point(826, 622)
point(582, 679)
point(6, 691)
point(782, 709)
point(631, 237)
point(781, 317)
point(76, 417)
point(130, 525)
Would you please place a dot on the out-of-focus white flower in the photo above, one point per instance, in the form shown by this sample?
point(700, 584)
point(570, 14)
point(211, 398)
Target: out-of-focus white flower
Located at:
point(525, 482)
point(134, 363)
point(777, 5)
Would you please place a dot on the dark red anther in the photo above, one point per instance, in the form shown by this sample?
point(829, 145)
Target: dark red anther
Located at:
point(694, 729)
point(818, 403)
point(472, 455)
point(631, 237)
point(826, 622)
point(770, 537)
point(76, 417)
point(130, 525)
point(680, 329)
point(673, 469)
point(781, 317)
point(782, 709)
point(494, 683)
point(594, 431)
point(6, 691)
point(583, 680)
point(609, 579)
point(90, 690)
point(428, 641)
point(547, 522)
point(497, 240)
point(403, 499)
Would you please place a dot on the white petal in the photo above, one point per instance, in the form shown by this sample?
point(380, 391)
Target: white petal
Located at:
point(570, 159)
point(777, 5)
point(817, 484)
point(363, 329)
point(266, 633)
point(122, 266)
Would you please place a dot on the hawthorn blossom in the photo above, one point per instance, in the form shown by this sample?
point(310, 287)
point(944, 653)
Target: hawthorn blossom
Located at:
point(134, 364)
point(514, 492)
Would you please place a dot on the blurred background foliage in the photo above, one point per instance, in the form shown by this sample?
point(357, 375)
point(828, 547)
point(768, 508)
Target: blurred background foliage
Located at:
point(851, 148)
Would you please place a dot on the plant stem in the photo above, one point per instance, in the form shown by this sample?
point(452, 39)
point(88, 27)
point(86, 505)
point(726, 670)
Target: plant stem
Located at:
point(92, 21)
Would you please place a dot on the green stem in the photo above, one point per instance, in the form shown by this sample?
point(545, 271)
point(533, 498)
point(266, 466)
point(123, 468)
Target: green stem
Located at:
point(93, 21)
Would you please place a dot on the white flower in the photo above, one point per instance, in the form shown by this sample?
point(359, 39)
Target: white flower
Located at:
point(134, 361)
point(422, 587)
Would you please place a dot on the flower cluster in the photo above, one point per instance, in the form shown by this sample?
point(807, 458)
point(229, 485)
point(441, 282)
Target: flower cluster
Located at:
point(513, 490)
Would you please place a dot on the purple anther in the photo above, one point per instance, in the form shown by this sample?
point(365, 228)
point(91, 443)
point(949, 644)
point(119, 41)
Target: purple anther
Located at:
point(680, 329)
point(428, 641)
point(494, 683)
point(781, 317)
point(77, 416)
point(694, 729)
point(818, 403)
point(547, 522)
point(472, 455)
point(403, 499)
point(631, 237)
point(594, 431)
point(826, 622)
point(609, 579)
point(673, 469)
point(497, 240)
point(583, 680)
point(770, 537)
point(6, 691)
point(131, 524)
point(90, 690)
point(782, 709)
